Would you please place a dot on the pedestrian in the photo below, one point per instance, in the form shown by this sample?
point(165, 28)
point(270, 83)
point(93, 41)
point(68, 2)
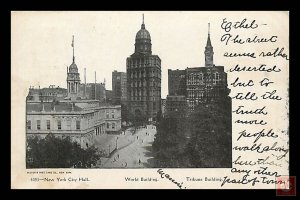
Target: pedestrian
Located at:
point(137, 137)
point(118, 156)
point(139, 161)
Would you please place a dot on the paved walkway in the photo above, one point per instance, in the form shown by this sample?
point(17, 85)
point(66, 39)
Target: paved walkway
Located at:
point(134, 151)
point(109, 142)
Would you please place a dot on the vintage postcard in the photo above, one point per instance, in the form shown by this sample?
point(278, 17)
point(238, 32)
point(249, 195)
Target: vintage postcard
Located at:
point(150, 100)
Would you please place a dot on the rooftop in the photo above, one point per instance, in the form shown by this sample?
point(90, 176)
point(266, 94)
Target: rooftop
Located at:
point(204, 68)
point(48, 107)
point(54, 89)
point(67, 106)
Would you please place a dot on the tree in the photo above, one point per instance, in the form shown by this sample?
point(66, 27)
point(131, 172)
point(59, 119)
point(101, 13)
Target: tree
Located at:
point(159, 116)
point(202, 139)
point(125, 114)
point(210, 143)
point(137, 119)
point(169, 143)
point(53, 152)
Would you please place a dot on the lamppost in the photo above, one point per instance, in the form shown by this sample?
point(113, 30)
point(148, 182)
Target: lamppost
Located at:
point(117, 142)
point(108, 149)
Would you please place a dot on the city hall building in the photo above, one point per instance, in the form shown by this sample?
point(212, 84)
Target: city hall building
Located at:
point(82, 121)
point(69, 114)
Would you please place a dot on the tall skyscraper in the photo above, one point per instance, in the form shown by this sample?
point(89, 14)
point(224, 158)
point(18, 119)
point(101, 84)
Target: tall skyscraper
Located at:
point(144, 77)
point(206, 84)
point(119, 87)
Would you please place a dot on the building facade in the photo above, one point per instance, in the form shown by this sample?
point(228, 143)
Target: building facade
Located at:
point(177, 82)
point(88, 91)
point(206, 84)
point(163, 106)
point(119, 87)
point(46, 94)
point(109, 96)
point(82, 121)
point(144, 78)
point(176, 105)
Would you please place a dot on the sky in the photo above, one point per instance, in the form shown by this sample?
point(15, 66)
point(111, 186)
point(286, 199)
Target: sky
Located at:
point(41, 42)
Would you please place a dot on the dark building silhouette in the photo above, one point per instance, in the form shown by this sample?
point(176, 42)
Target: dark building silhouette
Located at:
point(109, 96)
point(163, 106)
point(177, 82)
point(176, 106)
point(119, 87)
point(144, 78)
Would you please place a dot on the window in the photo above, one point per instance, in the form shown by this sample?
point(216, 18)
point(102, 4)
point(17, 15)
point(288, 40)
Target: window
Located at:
point(107, 115)
point(107, 125)
point(201, 76)
point(69, 124)
point(29, 124)
point(38, 124)
point(59, 125)
point(77, 125)
point(48, 124)
point(113, 125)
point(112, 116)
point(217, 78)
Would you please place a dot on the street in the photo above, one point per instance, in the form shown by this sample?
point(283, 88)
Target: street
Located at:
point(129, 150)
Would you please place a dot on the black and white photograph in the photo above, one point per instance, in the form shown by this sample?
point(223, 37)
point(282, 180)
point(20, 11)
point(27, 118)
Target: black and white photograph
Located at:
point(151, 90)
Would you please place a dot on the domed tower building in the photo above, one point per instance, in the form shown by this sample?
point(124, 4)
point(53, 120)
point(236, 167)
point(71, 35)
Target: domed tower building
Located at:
point(144, 78)
point(73, 78)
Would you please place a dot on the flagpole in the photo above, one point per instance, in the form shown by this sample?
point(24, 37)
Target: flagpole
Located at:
point(73, 49)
